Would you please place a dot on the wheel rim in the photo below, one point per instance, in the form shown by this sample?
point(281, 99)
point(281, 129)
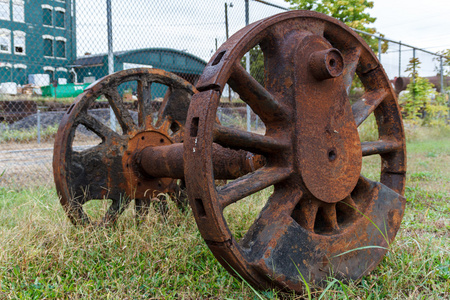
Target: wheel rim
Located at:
point(107, 170)
point(303, 228)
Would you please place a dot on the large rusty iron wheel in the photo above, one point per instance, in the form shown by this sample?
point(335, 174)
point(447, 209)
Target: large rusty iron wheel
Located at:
point(322, 218)
point(109, 170)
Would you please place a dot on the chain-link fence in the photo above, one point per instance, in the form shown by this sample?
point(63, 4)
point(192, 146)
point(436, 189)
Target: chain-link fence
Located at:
point(51, 50)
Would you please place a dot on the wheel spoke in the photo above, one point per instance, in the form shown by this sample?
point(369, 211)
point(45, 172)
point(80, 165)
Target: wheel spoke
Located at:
point(175, 105)
point(122, 114)
point(252, 142)
point(330, 217)
point(380, 147)
point(89, 176)
point(255, 95)
point(273, 220)
point(144, 94)
point(93, 124)
point(116, 208)
point(350, 202)
point(351, 59)
point(162, 108)
point(305, 213)
point(251, 183)
point(367, 104)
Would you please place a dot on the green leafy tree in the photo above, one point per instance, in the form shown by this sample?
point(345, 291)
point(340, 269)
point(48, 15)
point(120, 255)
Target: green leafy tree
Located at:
point(446, 60)
point(421, 100)
point(256, 64)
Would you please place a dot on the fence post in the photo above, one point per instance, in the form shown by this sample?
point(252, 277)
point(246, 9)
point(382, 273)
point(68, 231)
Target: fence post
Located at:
point(38, 126)
point(442, 77)
point(112, 116)
point(379, 48)
point(226, 32)
point(247, 64)
point(400, 59)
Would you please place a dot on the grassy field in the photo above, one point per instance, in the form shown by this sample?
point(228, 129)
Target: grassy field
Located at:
point(42, 256)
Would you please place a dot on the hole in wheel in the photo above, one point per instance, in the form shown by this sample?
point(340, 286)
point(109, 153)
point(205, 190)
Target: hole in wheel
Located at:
point(200, 208)
point(175, 127)
point(332, 62)
point(218, 58)
point(332, 154)
point(194, 127)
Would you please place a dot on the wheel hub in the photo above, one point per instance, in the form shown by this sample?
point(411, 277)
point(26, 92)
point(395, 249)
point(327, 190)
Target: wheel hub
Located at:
point(140, 185)
point(328, 149)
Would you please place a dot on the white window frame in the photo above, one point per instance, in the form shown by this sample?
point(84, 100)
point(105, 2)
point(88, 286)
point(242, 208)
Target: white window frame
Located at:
point(60, 9)
point(7, 32)
point(18, 4)
point(49, 7)
point(49, 37)
point(8, 10)
point(61, 39)
point(16, 35)
point(20, 66)
point(48, 68)
point(61, 69)
point(5, 65)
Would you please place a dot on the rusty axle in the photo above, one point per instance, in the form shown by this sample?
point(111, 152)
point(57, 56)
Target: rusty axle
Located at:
point(167, 162)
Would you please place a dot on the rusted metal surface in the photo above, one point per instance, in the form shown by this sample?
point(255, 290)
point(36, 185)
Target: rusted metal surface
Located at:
point(109, 170)
point(167, 162)
point(320, 218)
point(400, 83)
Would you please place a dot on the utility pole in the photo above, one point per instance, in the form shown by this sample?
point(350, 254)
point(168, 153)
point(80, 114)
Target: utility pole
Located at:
point(400, 59)
point(227, 36)
point(112, 116)
point(247, 63)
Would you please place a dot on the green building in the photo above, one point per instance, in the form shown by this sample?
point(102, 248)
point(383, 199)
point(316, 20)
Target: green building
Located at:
point(89, 68)
point(37, 37)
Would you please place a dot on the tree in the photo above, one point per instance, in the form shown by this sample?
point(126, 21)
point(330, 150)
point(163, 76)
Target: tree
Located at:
point(445, 61)
point(256, 64)
point(421, 100)
point(351, 12)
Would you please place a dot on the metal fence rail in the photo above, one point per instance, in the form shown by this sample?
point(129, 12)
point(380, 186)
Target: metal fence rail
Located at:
point(50, 50)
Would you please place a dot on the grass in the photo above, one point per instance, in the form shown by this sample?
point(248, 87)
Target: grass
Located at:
point(27, 135)
point(40, 100)
point(42, 256)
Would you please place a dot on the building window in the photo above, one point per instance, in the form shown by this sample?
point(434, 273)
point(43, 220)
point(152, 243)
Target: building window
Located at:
point(51, 73)
point(48, 45)
point(5, 40)
point(19, 42)
point(4, 9)
point(47, 15)
point(59, 17)
point(60, 49)
point(18, 11)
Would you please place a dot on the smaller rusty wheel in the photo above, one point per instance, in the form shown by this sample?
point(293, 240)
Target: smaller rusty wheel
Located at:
point(108, 171)
point(322, 217)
